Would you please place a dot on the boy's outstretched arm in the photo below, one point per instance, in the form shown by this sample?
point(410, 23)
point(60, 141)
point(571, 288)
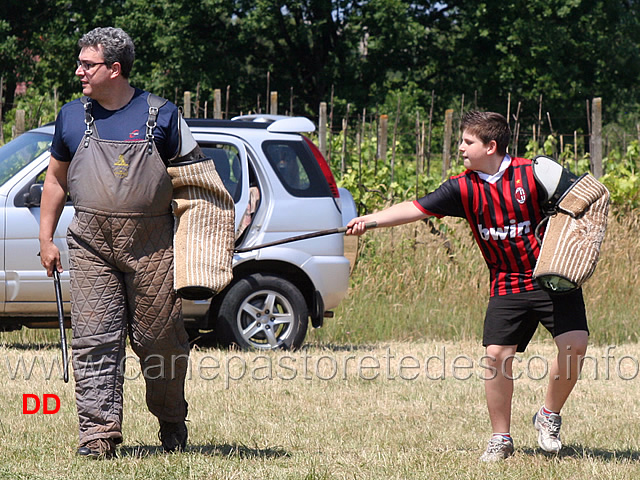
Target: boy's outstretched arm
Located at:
point(398, 214)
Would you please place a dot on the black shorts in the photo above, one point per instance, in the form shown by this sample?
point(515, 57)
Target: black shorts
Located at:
point(513, 319)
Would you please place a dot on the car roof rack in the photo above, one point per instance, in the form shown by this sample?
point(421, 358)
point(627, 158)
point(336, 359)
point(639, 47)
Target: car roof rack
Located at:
point(273, 123)
point(210, 122)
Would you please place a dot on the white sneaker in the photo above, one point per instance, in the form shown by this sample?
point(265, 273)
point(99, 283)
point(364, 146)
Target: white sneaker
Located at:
point(498, 449)
point(548, 431)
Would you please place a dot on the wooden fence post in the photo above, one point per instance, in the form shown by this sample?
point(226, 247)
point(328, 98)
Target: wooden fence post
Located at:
point(55, 100)
point(266, 98)
point(20, 121)
point(197, 104)
point(343, 155)
point(446, 144)
point(382, 142)
point(596, 137)
point(291, 102)
point(363, 133)
point(433, 96)
point(360, 133)
point(516, 133)
point(226, 107)
point(1, 106)
point(419, 145)
point(217, 103)
point(393, 147)
point(419, 165)
point(575, 151)
point(187, 104)
point(330, 142)
point(273, 106)
point(322, 129)
point(458, 132)
point(540, 141)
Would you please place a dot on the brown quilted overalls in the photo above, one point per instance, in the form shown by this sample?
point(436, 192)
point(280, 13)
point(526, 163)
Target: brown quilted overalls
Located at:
point(121, 257)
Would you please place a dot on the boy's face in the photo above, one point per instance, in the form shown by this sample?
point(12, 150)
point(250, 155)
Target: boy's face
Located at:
point(477, 155)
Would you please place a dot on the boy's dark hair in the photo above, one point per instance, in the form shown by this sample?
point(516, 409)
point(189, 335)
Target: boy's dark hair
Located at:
point(116, 44)
point(488, 126)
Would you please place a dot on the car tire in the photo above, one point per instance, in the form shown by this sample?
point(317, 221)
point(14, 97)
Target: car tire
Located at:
point(263, 312)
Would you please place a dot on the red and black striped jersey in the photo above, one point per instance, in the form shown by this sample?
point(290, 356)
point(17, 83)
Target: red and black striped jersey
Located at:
point(503, 217)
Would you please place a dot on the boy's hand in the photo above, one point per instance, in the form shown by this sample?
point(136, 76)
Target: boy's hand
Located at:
point(397, 214)
point(359, 225)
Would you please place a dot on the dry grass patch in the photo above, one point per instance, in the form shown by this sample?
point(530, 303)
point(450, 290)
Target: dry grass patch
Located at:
point(383, 411)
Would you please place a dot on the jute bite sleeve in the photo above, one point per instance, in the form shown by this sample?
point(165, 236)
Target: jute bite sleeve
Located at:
point(204, 230)
point(573, 237)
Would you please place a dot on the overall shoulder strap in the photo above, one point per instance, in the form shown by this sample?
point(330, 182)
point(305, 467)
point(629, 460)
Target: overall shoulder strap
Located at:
point(154, 102)
point(553, 180)
point(88, 119)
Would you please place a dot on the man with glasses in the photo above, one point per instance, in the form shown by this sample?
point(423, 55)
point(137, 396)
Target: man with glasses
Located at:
point(110, 152)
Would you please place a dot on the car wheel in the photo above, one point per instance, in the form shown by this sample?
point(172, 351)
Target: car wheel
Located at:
point(263, 312)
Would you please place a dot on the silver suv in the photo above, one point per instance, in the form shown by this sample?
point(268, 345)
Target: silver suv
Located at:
point(282, 187)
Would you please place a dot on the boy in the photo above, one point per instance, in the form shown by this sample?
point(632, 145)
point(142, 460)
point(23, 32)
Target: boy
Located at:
point(499, 198)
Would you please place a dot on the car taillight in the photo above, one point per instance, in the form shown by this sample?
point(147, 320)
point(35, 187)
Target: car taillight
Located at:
point(324, 166)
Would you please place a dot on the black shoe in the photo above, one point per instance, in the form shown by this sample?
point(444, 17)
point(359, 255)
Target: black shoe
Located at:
point(98, 449)
point(173, 436)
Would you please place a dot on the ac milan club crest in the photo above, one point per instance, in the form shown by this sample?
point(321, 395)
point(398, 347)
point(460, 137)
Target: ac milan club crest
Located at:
point(521, 196)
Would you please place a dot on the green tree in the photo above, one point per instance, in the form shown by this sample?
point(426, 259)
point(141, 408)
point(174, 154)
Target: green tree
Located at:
point(180, 45)
point(399, 43)
point(568, 51)
point(39, 41)
point(307, 45)
point(19, 54)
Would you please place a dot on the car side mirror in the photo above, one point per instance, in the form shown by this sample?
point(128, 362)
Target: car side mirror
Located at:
point(34, 197)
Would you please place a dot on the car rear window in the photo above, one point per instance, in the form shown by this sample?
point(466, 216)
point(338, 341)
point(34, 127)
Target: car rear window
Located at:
point(296, 168)
point(227, 161)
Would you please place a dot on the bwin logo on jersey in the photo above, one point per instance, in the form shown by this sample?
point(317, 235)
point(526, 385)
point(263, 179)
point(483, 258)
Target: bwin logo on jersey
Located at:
point(512, 230)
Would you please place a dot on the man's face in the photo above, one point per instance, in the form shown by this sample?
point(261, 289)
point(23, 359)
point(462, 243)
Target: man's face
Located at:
point(93, 72)
point(474, 153)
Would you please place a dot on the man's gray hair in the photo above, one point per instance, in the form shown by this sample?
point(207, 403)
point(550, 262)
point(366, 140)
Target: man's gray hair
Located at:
point(116, 45)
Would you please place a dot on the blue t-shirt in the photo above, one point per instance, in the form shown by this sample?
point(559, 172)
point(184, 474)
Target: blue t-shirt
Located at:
point(126, 124)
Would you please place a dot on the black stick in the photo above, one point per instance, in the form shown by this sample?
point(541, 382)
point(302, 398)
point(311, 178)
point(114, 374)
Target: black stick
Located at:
point(63, 334)
point(321, 233)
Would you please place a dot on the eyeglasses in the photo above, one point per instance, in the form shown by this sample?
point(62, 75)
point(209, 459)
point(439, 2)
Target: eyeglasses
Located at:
point(86, 66)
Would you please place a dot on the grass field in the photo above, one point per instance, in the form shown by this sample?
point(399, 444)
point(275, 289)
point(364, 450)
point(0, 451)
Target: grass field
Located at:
point(386, 411)
point(389, 389)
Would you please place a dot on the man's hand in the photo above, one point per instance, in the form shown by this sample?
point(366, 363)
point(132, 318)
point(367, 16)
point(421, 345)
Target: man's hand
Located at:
point(50, 257)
